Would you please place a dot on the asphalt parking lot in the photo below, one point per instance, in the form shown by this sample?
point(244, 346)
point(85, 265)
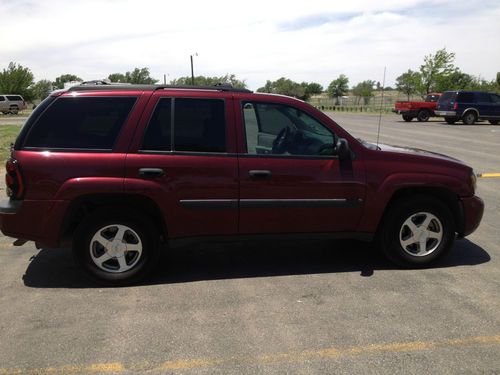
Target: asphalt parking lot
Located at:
point(290, 307)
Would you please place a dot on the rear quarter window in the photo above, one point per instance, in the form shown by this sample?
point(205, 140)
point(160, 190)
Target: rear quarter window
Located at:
point(465, 97)
point(80, 123)
point(15, 98)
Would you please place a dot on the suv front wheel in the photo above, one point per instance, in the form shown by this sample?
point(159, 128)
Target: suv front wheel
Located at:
point(116, 248)
point(416, 231)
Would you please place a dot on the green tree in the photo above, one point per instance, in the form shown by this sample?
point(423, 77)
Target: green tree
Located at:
point(61, 80)
point(41, 89)
point(117, 78)
point(230, 79)
point(435, 68)
point(140, 76)
point(498, 79)
point(409, 83)
point(284, 86)
point(310, 89)
point(338, 88)
point(364, 90)
point(16, 79)
point(456, 80)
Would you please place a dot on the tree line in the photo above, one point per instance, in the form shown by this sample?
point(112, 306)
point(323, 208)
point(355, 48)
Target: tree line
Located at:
point(436, 74)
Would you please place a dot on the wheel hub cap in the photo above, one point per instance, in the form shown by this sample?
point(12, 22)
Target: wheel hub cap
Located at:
point(115, 248)
point(421, 234)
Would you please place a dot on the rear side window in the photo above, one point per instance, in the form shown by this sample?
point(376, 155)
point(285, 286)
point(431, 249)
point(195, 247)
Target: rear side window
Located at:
point(2, 99)
point(81, 123)
point(465, 97)
point(14, 98)
point(199, 125)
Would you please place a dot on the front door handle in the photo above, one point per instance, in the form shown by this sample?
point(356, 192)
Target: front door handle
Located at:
point(151, 172)
point(259, 173)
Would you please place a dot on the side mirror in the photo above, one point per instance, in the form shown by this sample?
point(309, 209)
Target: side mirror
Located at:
point(343, 151)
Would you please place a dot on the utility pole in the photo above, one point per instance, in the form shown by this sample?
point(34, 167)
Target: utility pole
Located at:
point(192, 71)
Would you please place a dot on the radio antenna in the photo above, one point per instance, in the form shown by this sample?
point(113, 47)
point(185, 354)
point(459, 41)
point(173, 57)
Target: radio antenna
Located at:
point(381, 104)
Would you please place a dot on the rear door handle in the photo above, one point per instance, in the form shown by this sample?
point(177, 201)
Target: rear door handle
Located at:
point(151, 172)
point(259, 173)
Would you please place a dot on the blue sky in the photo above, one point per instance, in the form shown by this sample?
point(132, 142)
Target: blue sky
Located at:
point(259, 40)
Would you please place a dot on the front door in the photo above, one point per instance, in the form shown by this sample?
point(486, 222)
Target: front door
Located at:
point(290, 179)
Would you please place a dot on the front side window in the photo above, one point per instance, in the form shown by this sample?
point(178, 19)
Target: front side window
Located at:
point(80, 123)
point(276, 129)
point(483, 97)
point(199, 125)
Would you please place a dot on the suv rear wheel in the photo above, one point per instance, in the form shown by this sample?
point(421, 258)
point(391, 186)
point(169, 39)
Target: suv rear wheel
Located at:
point(416, 231)
point(469, 118)
point(116, 248)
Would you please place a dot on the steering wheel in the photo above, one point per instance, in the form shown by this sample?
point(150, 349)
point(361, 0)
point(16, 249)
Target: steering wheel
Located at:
point(282, 141)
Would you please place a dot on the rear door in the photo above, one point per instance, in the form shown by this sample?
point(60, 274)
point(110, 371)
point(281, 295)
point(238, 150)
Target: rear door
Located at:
point(484, 104)
point(290, 180)
point(185, 162)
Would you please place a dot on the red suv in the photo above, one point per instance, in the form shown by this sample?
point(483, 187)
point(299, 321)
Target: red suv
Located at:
point(118, 170)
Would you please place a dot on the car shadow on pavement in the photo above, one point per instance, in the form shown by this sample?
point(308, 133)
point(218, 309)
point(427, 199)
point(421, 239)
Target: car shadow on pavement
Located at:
point(54, 268)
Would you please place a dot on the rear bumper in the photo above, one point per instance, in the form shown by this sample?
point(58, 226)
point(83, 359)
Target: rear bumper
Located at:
point(38, 221)
point(446, 113)
point(406, 112)
point(473, 208)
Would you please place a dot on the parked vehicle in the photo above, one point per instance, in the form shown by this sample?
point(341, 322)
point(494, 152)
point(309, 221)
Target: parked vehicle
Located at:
point(115, 171)
point(469, 106)
point(422, 111)
point(11, 104)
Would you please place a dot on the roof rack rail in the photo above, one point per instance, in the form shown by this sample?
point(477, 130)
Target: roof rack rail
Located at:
point(103, 85)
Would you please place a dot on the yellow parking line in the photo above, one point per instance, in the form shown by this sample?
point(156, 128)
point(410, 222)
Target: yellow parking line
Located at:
point(488, 175)
point(286, 357)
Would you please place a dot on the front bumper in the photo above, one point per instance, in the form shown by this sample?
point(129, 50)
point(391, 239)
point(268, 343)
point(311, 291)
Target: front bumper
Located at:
point(473, 208)
point(446, 113)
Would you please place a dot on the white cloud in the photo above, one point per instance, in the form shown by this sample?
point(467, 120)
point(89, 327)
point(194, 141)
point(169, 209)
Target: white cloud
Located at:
point(259, 40)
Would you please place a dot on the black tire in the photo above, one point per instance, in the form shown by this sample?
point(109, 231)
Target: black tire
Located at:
point(143, 233)
point(450, 120)
point(493, 122)
point(423, 115)
point(469, 118)
point(5, 112)
point(407, 118)
point(394, 229)
point(14, 110)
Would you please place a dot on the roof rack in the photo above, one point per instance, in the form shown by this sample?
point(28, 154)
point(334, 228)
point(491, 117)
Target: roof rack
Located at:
point(104, 85)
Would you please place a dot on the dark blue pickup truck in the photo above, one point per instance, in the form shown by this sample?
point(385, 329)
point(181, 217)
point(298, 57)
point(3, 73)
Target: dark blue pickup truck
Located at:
point(469, 106)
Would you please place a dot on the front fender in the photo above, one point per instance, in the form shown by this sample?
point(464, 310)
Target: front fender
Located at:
point(380, 195)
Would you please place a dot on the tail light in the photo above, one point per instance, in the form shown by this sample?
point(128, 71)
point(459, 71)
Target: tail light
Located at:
point(14, 179)
point(455, 106)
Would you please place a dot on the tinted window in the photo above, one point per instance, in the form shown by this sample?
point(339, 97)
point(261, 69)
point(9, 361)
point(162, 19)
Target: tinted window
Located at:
point(81, 123)
point(2, 99)
point(465, 97)
point(483, 97)
point(279, 129)
point(14, 98)
point(199, 125)
point(447, 97)
point(159, 131)
point(495, 98)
